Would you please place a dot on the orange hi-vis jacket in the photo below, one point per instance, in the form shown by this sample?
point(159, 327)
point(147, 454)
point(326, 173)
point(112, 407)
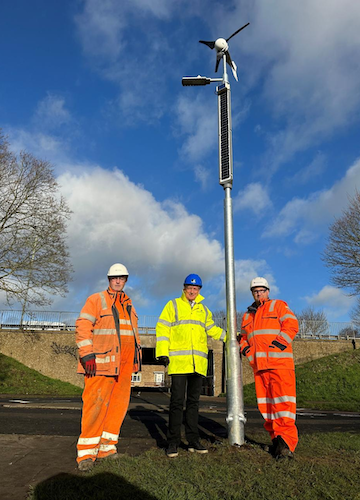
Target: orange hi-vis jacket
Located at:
point(271, 320)
point(105, 318)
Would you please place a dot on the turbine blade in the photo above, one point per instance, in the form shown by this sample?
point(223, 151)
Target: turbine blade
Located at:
point(236, 32)
point(218, 59)
point(232, 65)
point(209, 44)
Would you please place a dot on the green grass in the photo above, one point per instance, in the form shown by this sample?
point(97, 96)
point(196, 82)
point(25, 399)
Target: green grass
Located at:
point(16, 378)
point(329, 383)
point(326, 467)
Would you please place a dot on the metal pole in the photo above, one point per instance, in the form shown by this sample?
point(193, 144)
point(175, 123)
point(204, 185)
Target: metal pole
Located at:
point(234, 391)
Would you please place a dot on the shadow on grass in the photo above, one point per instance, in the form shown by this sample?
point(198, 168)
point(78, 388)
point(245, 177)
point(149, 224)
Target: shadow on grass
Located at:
point(103, 486)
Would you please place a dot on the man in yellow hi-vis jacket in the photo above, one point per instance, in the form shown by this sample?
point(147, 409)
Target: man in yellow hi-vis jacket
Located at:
point(181, 344)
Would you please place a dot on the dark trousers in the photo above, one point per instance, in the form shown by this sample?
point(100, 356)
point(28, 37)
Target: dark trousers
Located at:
point(192, 384)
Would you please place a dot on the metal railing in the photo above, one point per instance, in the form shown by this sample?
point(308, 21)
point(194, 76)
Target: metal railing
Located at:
point(56, 320)
point(65, 321)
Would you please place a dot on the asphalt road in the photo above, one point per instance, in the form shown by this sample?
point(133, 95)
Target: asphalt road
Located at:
point(147, 417)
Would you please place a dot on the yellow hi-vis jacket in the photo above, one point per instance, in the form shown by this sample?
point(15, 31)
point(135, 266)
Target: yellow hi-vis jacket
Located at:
point(181, 335)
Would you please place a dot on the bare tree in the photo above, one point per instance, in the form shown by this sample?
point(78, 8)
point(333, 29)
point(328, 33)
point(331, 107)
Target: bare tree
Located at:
point(342, 253)
point(312, 323)
point(219, 318)
point(34, 258)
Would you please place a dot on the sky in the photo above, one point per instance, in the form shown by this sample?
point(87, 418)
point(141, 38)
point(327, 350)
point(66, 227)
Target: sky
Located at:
point(94, 87)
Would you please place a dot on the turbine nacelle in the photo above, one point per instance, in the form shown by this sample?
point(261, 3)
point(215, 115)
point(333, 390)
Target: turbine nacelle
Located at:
point(221, 45)
point(222, 48)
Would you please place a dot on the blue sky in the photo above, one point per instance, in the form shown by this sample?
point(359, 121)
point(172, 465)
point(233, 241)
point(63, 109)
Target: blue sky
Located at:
point(94, 87)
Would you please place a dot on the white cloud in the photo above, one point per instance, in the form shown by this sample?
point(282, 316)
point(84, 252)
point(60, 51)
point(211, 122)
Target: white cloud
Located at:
point(334, 301)
point(125, 45)
point(202, 175)
point(301, 215)
point(115, 220)
point(309, 173)
point(51, 112)
point(198, 124)
point(42, 145)
point(253, 197)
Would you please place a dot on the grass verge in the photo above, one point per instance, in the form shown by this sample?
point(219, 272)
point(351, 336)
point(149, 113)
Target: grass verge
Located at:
point(329, 383)
point(326, 467)
point(16, 378)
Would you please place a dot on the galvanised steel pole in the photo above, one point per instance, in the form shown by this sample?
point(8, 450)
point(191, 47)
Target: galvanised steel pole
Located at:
point(234, 388)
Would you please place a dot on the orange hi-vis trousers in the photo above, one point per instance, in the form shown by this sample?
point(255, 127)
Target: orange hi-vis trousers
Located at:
point(105, 403)
point(276, 398)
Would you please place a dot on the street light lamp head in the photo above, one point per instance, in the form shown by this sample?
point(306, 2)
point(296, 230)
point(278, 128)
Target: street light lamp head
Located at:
point(191, 81)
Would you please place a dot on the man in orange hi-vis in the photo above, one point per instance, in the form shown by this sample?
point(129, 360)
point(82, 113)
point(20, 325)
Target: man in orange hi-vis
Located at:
point(267, 330)
point(109, 352)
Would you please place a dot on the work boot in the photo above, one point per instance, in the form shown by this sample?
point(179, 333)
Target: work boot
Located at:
point(198, 447)
point(86, 465)
point(273, 446)
point(282, 450)
point(172, 451)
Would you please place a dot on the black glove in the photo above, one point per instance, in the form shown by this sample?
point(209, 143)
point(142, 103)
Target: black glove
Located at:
point(277, 344)
point(245, 350)
point(164, 360)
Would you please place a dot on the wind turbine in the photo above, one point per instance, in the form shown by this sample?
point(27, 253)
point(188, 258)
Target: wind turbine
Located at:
point(222, 48)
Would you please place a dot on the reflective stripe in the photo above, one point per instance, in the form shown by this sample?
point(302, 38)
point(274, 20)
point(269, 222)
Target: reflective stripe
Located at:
point(285, 336)
point(200, 353)
point(223, 335)
point(280, 399)
point(250, 358)
point(287, 316)
point(260, 355)
point(126, 333)
point(90, 451)
point(103, 360)
point(125, 322)
point(83, 343)
point(94, 440)
point(103, 300)
point(104, 331)
point(110, 436)
point(164, 322)
point(165, 339)
point(247, 315)
point(113, 359)
point(209, 327)
point(272, 305)
point(280, 355)
point(279, 414)
point(87, 316)
point(188, 353)
point(265, 331)
point(175, 310)
point(107, 447)
point(180, 353)
point(189, 322)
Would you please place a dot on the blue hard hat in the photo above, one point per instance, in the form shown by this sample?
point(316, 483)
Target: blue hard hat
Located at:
point(193, 279)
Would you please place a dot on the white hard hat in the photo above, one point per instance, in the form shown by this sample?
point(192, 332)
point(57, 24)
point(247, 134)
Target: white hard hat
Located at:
point(259, 281)
point(118, 270)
